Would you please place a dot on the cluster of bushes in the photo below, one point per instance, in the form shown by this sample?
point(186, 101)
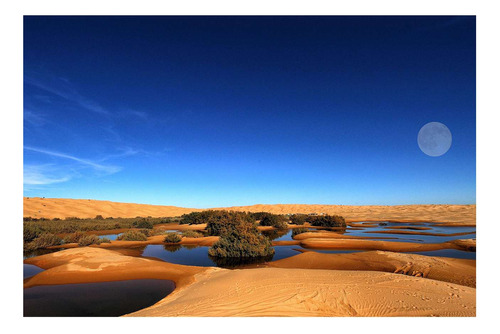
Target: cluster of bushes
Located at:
point(299, 219)
point(239, 238)
point(44, 240)
point(297, 231)
point(133, 235)
point(277, 221)
point(223, 222)
point(143, 223)
point(172, 238)
point(89, 239)
point(34, 227)
point(192, 234)
point(327, 221)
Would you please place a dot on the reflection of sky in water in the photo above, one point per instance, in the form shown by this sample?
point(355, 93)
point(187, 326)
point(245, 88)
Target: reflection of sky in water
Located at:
point(110, 236)
point(30, 270)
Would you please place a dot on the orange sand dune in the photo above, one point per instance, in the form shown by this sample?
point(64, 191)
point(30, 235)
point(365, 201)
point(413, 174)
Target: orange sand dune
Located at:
point(458, 271)
point(61, 208)
point(263, 291)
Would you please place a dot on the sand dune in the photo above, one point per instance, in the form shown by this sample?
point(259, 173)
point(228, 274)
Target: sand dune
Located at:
point(83, 208)
point(265, 291)
point(458, 271)
point(308, 292)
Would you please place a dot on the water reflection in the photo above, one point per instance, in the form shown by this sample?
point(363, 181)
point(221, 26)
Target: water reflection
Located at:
point(30, 270)
point(104, 299)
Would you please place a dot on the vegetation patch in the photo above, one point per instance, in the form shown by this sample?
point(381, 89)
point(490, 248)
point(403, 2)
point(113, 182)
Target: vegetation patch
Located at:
point(43, 241)
point(73, 237)
point(133, 235)
point(192, 234)
point(328, 221)
point(89, 239)
point(240, 238)
point(276, 221)
point(172, 238)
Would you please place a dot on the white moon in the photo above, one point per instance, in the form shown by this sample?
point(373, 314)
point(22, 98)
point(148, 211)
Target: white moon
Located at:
point(434, 139)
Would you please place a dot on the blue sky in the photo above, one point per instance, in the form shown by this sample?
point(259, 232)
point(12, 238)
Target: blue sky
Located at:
point(221, 111)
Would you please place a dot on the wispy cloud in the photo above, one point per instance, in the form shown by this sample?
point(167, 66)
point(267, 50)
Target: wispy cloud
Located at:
point(108, 169)
point(42, 175)
point(34, 118)
point(64, 89)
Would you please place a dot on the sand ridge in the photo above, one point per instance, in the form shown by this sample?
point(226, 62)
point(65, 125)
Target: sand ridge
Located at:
point(85, 208)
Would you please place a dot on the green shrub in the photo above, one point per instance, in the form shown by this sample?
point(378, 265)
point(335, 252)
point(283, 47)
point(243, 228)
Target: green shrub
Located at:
point(192, 234)
point(31, 232)
point(143, 224)
point(274, 221)
point(157, 231)
point(146, 232)
point(43, 241)
point(99, 217)
point(298, 219)
point(223, 222)
point(241, 238)
point(104, 240)
point(74, 237)
point(172, 238)
point(89, 239)
point(132, 235)
point(328, 221)
point(297, 231)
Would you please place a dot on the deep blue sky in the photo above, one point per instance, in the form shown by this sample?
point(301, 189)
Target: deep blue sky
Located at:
point(221, 111)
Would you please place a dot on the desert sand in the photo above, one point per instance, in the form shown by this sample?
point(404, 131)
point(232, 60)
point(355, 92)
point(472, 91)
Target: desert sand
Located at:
point(281, 290)
point(61, 208)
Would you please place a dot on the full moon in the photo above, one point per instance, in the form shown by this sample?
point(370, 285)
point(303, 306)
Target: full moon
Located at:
point(434, 139)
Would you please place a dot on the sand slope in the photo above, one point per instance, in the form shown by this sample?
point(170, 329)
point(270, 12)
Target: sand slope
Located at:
point(61, 208)
point(306, 292)
point(458, 271)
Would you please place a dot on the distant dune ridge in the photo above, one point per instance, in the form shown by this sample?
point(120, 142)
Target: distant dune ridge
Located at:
point(37, 207)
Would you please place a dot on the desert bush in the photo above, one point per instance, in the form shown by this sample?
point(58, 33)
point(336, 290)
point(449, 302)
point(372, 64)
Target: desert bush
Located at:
point(297, 231)
point(146, 232)
point(274, 221)
point(132, 235)
point(223, 222)
point(143, 224)
point(328, 221)
point(99, 217)
point(43, 241)
point(298, 219)
point(31, 232)
point(73, 237)
point(89, 239)
point(104, 240)
point(192, 234)
point(157, 231)
point(172, 238)
point(241, 238)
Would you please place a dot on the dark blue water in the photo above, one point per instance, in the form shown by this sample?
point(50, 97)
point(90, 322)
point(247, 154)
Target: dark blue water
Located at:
point(191, 256)
point(31, 270)
point(104, 299)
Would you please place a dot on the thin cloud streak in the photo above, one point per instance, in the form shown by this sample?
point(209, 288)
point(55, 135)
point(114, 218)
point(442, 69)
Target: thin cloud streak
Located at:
point(104, 168)
point(40, 175)
point(67, 92)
